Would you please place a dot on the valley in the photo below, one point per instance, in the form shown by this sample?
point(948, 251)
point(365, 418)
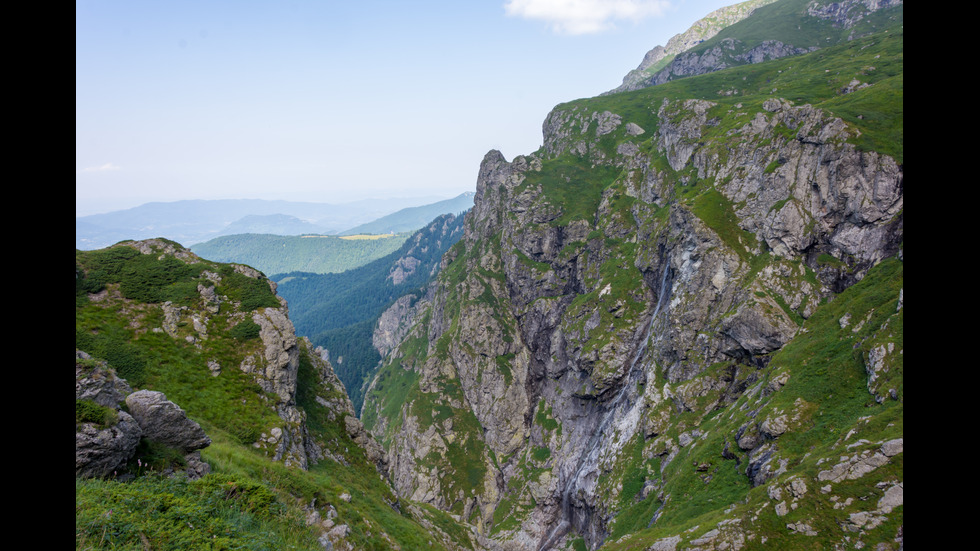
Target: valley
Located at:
point(677, 325)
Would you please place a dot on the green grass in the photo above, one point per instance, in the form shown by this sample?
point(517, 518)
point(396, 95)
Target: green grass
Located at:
point(215, 512)
point(717, 211)
point(87, 411)
point(818, 78)
point(574, 185)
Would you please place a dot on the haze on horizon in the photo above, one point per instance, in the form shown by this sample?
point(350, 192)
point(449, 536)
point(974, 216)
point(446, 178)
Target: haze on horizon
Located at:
point(334, 102)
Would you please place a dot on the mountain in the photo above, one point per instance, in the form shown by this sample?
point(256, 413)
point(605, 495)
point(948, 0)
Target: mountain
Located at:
point(658, 58)
point(203, 422)
point(340, 312)
point(319, 254)
point(194, 221)
point(728, 37)
point(275, 224)
point(413, 218)
point(678, 324)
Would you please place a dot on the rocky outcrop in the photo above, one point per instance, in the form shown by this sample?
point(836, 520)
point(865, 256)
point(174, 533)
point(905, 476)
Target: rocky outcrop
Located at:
point(394, 324)
point(727, 53)
point(102, 451)
point(848, 13)
point(96, 382)
point(105, 447)
point(231, 306)
point(164, 422)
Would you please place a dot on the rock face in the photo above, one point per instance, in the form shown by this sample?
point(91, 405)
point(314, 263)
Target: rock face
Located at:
point(163, 421)
point(611, 292)
point(97, 383)
point(394, 324)
point(99, 452)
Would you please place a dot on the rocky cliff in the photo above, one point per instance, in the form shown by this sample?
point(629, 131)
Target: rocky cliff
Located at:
point(649, 324)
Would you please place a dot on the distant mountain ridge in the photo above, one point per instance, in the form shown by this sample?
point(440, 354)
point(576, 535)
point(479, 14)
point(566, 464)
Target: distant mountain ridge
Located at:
point(195, 221)
point(413, 218)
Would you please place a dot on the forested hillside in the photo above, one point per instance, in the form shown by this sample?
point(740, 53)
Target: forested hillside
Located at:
point(339, 312)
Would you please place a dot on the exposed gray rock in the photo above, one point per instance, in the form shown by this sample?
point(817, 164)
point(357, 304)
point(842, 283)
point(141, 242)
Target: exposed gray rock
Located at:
point(393, 325)
point(847, 13)
point(100, 451)
point(894, 497)
point(281, 353)
point(375, 453)
point(404, 267)
point(701, 30)
point(98, 383)
point(163, 421)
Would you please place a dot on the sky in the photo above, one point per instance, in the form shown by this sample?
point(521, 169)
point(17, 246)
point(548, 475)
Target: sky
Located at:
point(334, 100)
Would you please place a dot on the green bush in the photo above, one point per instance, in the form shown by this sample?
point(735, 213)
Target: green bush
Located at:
point(245, 330)
point(148, 279)
point(251, 292)
point(124, 357)
point(141, 277)
point(87, 411)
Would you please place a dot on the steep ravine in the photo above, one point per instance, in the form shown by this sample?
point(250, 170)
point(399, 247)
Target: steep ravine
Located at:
point(612, 294)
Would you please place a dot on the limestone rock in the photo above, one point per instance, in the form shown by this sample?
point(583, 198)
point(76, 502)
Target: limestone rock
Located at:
point(98, 383)
point(393, 325)
point(375, 453)
point(99, 451)
point(163, 421)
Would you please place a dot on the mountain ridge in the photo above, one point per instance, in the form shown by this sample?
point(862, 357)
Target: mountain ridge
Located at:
point(727, 38)
point(194, 221)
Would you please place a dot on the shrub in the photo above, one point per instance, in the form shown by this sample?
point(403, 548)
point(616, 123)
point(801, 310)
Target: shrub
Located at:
point(87, 411)
point(121, 355)
point(252, 293)
point(245, 330)
point(147, 278)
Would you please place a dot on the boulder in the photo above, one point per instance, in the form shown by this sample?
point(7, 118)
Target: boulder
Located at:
point(163, 421)
point(99, 451)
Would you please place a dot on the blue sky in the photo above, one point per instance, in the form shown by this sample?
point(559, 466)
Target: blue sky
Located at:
point(334, 101)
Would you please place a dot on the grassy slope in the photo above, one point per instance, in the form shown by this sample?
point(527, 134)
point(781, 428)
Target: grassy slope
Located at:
point(249, 501)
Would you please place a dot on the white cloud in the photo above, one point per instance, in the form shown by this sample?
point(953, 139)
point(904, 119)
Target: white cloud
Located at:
point(585, 16)
point(103, 168)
